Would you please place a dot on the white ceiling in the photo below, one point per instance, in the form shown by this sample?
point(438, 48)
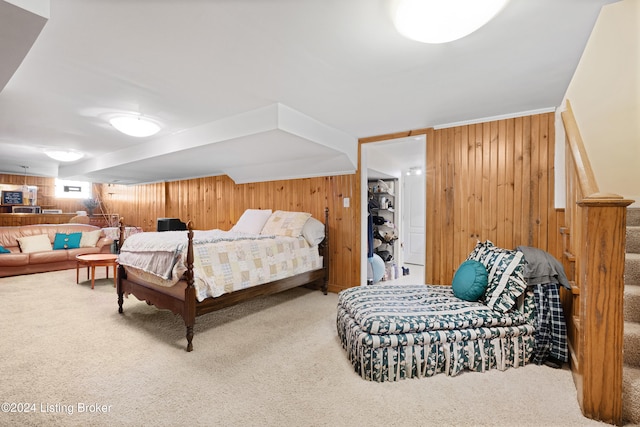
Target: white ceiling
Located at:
point(337, 66)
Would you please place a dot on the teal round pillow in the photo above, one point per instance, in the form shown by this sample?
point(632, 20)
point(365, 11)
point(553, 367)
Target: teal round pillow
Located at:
point(470, 280)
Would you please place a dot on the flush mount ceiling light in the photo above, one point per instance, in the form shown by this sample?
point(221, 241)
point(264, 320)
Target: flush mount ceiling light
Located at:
point(135, 126)
point(442, 21)
point(64, 155)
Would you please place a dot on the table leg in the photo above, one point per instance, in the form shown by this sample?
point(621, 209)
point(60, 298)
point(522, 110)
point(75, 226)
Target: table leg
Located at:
point(93, 275)
point(77, 272)
point(114, 275)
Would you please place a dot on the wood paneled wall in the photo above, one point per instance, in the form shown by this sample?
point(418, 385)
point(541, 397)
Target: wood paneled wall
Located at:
point(138, 205)
point(15, 220)
point(492, 180)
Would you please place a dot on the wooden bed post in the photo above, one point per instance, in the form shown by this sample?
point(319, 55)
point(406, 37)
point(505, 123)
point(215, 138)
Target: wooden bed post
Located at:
point(189, 292)
point(121, 237)
point(325, 252)
point(121, 272)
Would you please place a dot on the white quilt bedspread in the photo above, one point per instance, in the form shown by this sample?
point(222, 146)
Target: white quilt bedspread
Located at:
point(158, 252)
point(223, 261)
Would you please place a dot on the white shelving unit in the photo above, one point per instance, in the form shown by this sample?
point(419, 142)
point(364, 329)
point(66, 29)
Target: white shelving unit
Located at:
point(385, 229)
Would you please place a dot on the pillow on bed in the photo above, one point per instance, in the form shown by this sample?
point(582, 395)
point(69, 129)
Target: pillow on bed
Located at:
point(313, 231)
point(285, 223)
point(37, 243)
point(505, 270)
point(67, 241)
point(89, 239)
point(480, 250)
point(252, 221)
point(470, 280)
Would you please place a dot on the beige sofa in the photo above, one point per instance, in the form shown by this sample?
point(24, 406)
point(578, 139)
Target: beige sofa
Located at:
point(18, 262)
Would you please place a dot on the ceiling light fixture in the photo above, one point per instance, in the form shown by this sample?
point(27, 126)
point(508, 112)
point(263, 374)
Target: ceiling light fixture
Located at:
point(64, 155)
point(135, 126)
point(442, 21)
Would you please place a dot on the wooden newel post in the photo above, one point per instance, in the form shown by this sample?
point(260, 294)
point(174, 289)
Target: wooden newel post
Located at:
point(600, 273)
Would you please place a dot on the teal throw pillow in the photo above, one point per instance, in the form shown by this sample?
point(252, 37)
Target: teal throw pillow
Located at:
point(67, 241)
point(470, 280)
point(4, 250)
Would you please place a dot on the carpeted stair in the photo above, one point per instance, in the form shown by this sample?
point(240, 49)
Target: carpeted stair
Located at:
point(631, 372)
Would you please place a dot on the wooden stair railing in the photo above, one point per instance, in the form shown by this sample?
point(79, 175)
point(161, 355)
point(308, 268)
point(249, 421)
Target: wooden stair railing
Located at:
point(594, 256)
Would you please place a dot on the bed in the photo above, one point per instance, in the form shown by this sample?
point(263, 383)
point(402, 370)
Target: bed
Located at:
point(498, 313)
point(197, 272)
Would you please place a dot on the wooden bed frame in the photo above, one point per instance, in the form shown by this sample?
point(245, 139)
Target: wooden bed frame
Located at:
point(181, 298)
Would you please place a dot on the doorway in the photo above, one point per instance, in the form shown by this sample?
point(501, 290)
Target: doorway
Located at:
point(403, 160)
point(414, 220)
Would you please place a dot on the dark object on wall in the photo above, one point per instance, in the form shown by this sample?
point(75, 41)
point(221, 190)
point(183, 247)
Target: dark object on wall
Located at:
point(12, 197)
point(171, 224)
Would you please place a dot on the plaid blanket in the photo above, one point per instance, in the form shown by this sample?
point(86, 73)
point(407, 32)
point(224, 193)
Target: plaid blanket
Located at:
point(551, 330)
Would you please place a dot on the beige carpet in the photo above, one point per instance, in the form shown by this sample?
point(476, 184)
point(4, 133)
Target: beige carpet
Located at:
point(274, 361)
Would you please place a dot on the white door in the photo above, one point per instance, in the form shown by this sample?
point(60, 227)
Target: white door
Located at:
point(413, 213)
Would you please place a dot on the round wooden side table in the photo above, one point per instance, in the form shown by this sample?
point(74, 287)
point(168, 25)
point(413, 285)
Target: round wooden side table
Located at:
point(96, 260)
